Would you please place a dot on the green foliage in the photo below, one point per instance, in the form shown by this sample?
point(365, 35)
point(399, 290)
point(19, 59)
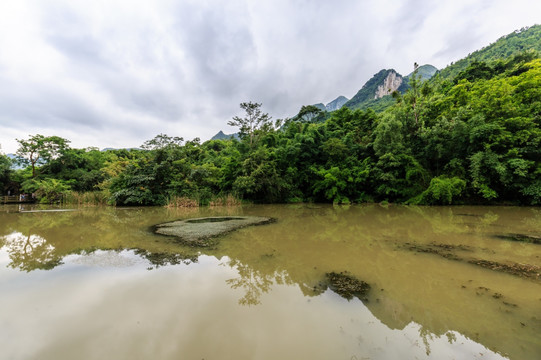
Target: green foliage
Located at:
point(5, 172)
point(84, 165)
point(473, 139)
point(441, 191)
point(39, 149)
point(425, 72)
point(533, 192)
point(475, 71)
point(526, 39)
point(366, 93)
point(47, 191)
point(162, 141)
point(88, 198)
point(342, 185)
point(254, 122)
point(309, 113)
point(259, 178)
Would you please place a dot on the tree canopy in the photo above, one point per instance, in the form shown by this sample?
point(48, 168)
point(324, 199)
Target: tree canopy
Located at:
point(473, 139)
point(253, 122)
point(39, 149)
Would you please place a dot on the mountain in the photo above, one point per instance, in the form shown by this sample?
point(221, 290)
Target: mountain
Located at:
point(221, 136)
point(425, 72)
point(374, 93)
point(333, 105)
point(336, 103)
point(381, 84)
point(320, 106)
point(525, 39)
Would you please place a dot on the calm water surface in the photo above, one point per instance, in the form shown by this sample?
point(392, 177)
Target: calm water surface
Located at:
point(96, 283)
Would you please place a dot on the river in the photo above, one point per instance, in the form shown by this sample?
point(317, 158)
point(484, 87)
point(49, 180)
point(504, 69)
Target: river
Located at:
point(98, 283)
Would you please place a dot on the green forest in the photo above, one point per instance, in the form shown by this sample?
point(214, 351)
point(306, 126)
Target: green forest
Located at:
point(471, 138)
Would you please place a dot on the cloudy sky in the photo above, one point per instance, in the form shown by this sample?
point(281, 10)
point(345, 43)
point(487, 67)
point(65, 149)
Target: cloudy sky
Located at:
point(114, 73)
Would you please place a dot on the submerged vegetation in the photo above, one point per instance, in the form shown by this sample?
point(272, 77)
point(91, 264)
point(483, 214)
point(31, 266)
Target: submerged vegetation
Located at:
point(475, 138)
point(346, 285)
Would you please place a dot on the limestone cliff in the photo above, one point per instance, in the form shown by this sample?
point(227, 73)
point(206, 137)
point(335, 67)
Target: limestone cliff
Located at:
point(391, 83)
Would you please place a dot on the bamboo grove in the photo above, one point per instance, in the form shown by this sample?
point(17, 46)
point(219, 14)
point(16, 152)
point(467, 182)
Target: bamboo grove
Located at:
point(473, 139)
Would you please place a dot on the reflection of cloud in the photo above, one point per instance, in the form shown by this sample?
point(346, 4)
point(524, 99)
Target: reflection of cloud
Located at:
point(101, 258)
point(113, 73)
point(30, 252)
point(189, 312)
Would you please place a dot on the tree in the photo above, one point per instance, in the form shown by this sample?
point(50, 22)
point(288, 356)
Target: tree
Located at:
point(308, 113)
point(5, 171)
point(162, 141)
point(254, 121)
point(40, 149)
point(81, 168)
point(47, 191)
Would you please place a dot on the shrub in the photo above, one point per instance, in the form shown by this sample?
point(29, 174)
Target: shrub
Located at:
point(441, 191)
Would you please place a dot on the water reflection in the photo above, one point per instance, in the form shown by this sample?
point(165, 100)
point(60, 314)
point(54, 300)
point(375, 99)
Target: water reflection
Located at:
point(425, 292)
point(253, 282)
point(30, 252)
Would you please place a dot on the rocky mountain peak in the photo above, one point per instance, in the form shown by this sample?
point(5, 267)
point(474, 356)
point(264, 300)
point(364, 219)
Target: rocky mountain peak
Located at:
point(336, 103)
point(391, 83)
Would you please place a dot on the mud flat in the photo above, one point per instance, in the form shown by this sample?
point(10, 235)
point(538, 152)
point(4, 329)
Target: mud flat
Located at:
point(199, 231)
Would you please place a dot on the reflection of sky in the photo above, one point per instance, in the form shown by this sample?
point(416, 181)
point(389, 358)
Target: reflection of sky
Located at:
point(91, 310)
point(17, 239)
point(101, 258)
point(4, 257)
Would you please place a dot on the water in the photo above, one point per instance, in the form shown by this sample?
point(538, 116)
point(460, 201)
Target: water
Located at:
point(96, 283)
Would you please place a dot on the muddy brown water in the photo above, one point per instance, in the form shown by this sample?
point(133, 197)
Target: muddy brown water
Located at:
point(96, 283)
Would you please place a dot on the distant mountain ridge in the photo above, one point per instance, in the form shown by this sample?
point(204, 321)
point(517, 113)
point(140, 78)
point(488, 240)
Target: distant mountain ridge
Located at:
point(320, 106)
point(425, 72)
point(222, 136)
point(336, 104)
point(333, 105)
point(375, 92)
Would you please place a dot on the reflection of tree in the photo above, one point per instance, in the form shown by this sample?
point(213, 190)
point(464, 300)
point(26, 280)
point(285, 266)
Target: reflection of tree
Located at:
point(427, 337)
point(159, 259)
point(30, 252)
point(41, 239)
point(534, 221)
point(451, 337)
point(254, 282)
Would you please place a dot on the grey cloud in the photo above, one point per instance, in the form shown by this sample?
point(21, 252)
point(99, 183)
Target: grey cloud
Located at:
point(130, 69)
point(46, 107)
point(220, 53)
point(81, 51)
point(458, 44)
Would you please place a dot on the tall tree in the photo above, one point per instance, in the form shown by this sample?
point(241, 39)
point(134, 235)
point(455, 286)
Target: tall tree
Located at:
point(40, 149)
point(255, 120)
point(5, 171)
point(162, 141)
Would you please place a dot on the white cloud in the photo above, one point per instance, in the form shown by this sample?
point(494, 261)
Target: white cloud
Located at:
point(117, 72)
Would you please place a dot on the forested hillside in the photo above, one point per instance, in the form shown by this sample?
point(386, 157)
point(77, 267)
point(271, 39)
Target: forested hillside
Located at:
point(523, 40)
point(473, 138)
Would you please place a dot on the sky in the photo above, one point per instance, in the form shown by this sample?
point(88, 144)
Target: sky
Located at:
point(115, 73)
